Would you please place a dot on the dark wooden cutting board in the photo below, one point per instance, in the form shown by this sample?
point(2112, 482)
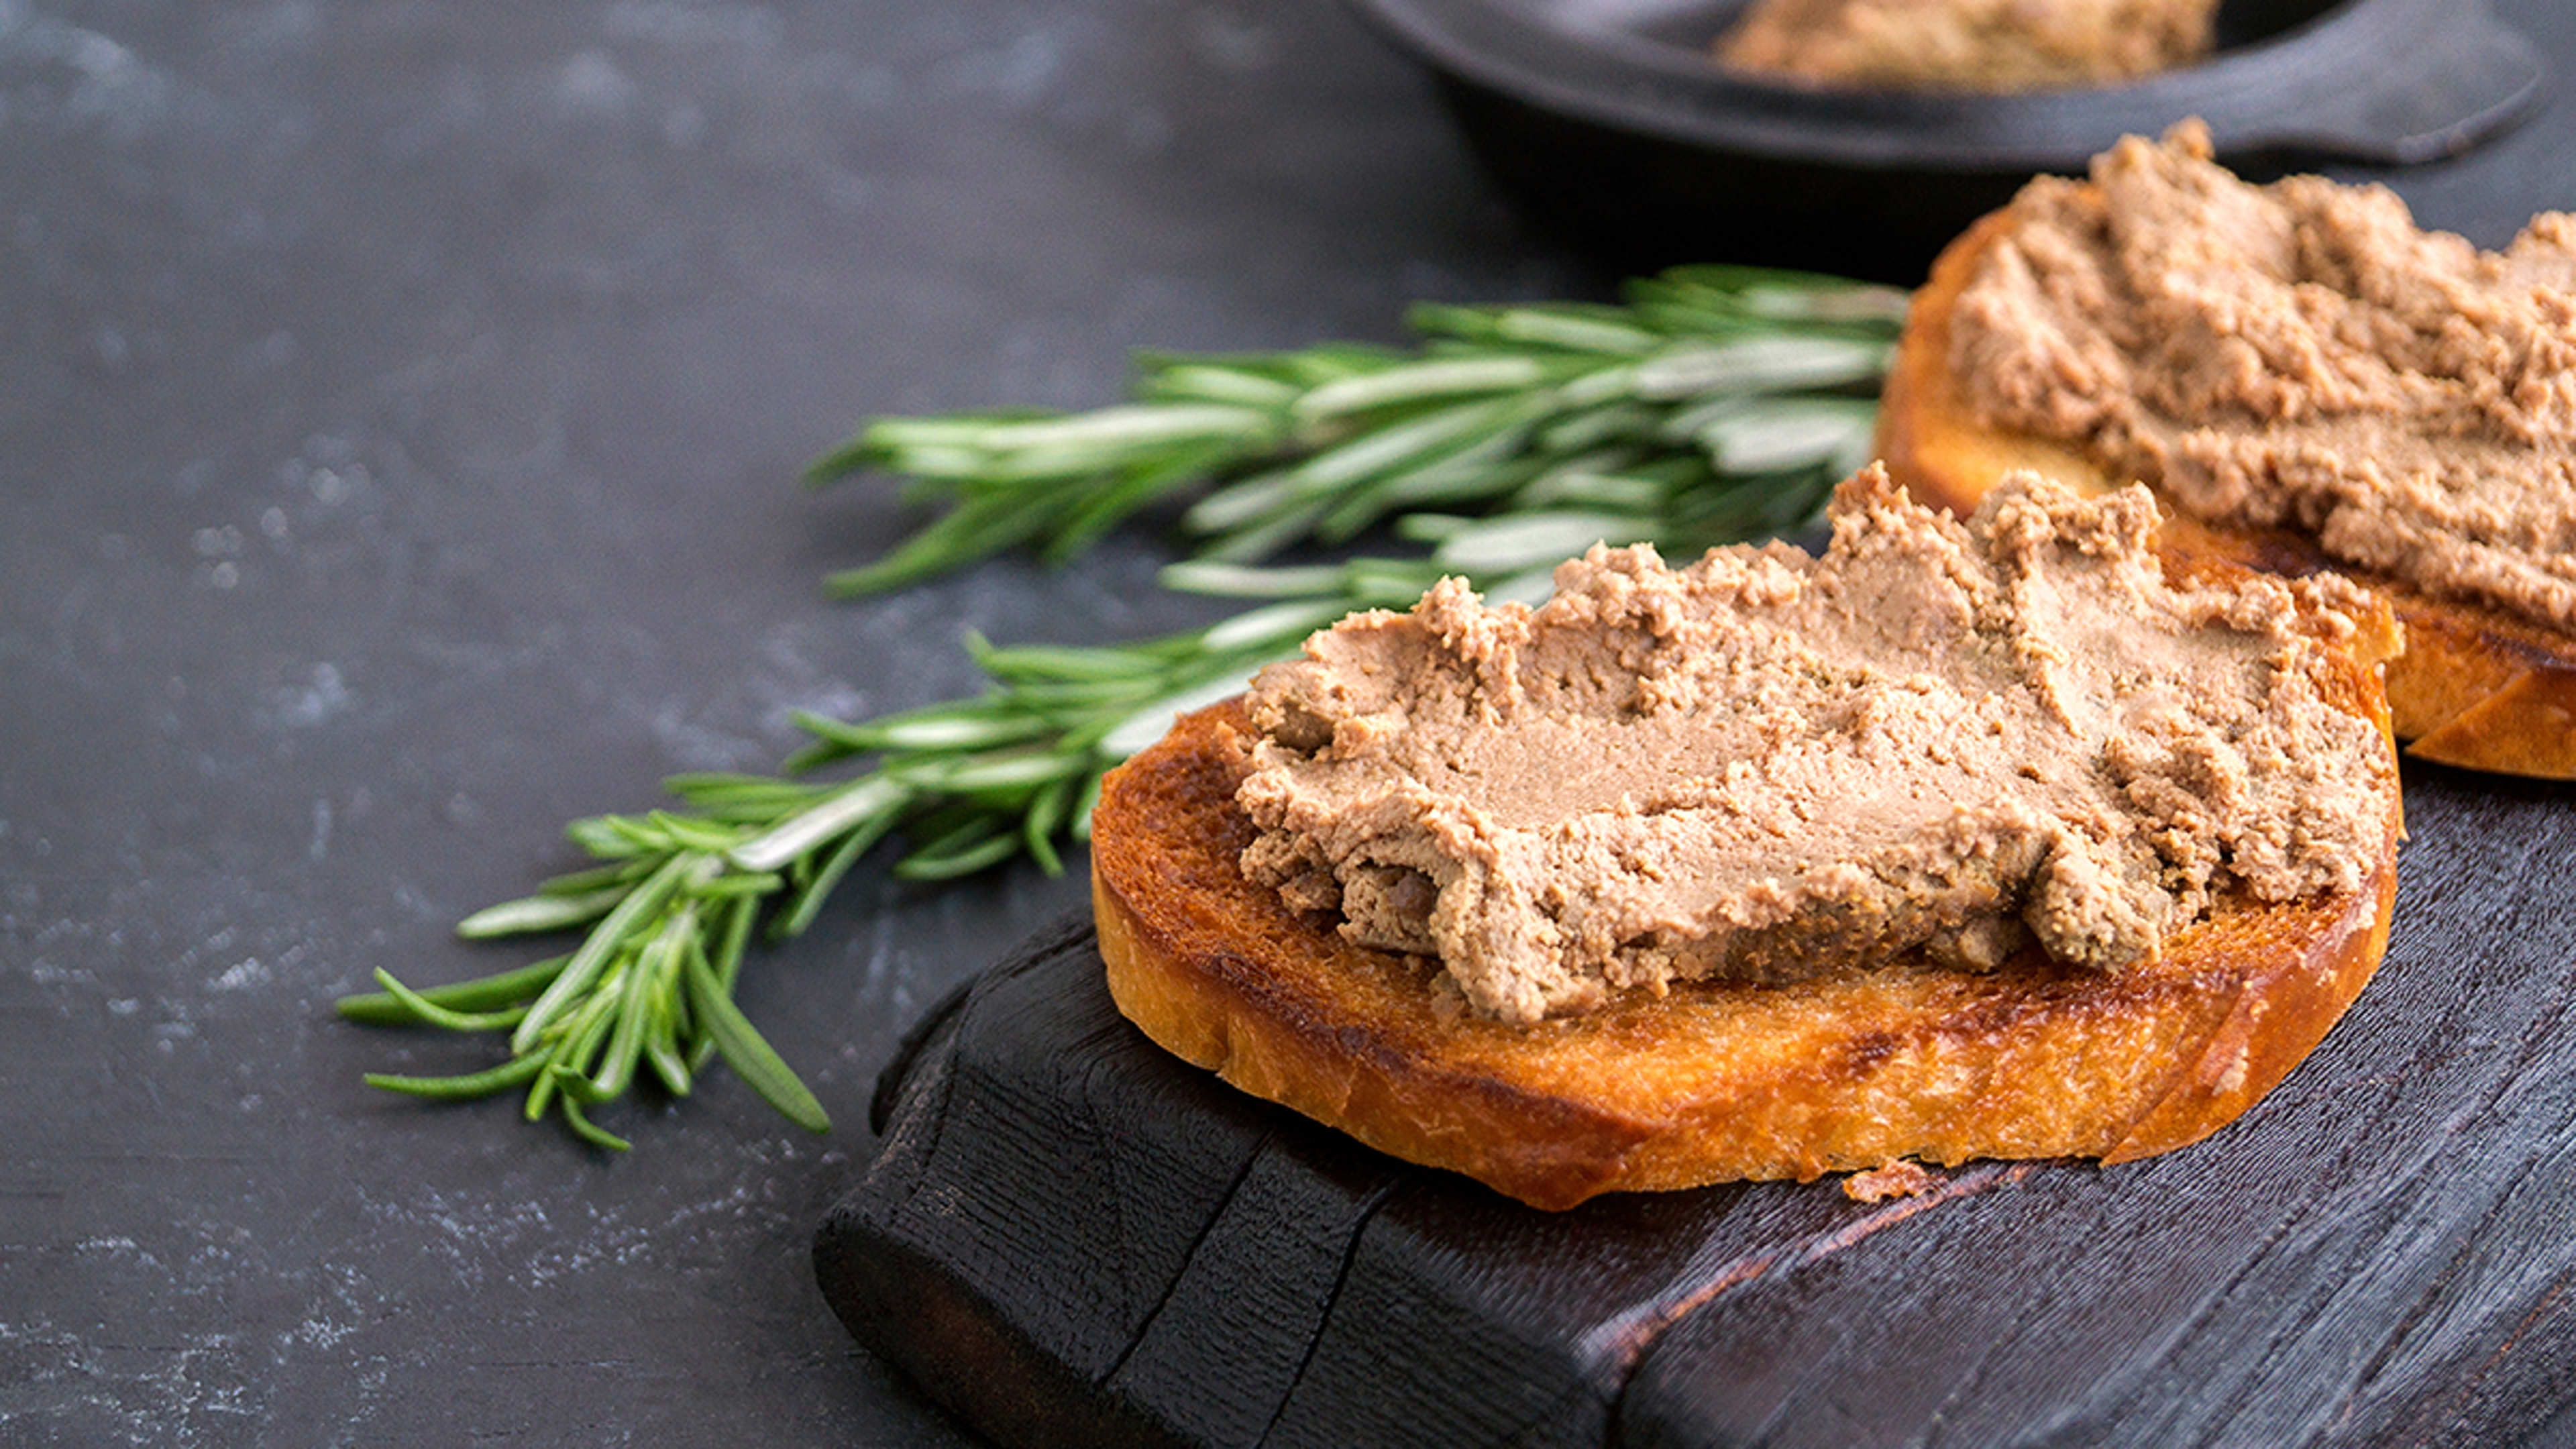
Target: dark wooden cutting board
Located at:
point(1070, 1237)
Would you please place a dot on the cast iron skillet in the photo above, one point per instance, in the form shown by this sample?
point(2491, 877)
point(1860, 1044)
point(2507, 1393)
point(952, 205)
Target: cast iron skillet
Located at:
point(1608, 123)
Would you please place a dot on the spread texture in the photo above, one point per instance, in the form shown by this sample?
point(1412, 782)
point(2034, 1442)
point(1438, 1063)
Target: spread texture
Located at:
point(1959, 738)
point(2297, 355)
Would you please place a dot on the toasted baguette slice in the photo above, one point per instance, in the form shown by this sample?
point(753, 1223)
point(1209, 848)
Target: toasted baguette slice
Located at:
point(2476, 687)
point(1710, 1083)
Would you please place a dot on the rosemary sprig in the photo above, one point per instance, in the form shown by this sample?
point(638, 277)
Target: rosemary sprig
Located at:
point(1718, 404)
point(1501, 407)
point(669, 911)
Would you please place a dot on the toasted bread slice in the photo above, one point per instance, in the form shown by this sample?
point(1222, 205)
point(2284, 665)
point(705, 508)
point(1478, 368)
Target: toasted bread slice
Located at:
point(1709, 1083)
point(2476, 687)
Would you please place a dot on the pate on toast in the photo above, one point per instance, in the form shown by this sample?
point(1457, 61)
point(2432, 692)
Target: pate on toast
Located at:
point(1871, 1051)
point(2481, 684)
point(1711, 1082)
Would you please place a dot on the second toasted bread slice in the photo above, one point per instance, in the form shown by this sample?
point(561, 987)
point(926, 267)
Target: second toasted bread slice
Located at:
point(2478, 686)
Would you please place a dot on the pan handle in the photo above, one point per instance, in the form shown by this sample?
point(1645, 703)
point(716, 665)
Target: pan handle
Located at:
point(2434, 79)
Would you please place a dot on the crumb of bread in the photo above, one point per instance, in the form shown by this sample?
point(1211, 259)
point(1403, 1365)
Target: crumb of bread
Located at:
point(1902, 1178)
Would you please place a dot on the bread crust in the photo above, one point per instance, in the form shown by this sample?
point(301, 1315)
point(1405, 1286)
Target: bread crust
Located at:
point(1710, 1083)
point(2476, 687)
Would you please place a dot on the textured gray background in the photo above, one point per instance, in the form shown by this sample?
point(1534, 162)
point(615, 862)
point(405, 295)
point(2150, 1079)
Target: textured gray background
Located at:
point(400, 412)
point(400, 406)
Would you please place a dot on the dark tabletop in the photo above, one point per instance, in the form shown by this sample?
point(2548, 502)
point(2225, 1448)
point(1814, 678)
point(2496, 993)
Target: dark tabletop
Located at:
point(401, 407)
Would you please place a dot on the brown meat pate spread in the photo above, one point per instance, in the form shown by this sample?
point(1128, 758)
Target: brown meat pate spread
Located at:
point(1968, 45)
point(2296, 355)
point(1945, 736)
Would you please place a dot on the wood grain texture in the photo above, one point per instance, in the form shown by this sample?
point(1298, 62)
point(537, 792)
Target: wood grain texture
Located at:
point(1070, 1237)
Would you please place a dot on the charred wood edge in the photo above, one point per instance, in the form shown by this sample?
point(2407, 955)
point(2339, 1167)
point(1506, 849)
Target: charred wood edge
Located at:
point(1368, 1211)
point(1198, 1243)
point(966, 1357)
point(918, 1038)
point(1370, 1204)
point(940, 1333)
point(1065, 933)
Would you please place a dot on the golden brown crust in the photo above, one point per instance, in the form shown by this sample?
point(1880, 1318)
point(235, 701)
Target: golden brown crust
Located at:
point(1712, 1083)
point(2475, 687)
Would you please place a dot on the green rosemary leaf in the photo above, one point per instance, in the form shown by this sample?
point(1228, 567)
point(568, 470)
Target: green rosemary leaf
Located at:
point(542, 1087)
point(693, 834)
point(1152, 721)
point(1780, 435)
point(973, 843)
point(1187, 379)
point(1363, 415)
point(483, 993)
point(750, 885)
point(588, 1131)
point(1583, 488)
point(1090, 797)
point(942, 730)
point(1414, 382)
point(662, 1053)
point(1597, 425)
point(598, 878)
point(1534, 540)
point(1424, 440)
point(801, 908)
point(620, 836)
point(855, 804)
point(740, 799)
point(604, 938)
point(1608, 330)
point(463, 1087)
point(602, 836)
point(751, 1057)
point(1261, 540)
point(724, 955)
point(633, 1012)
point(702, 1043)
point(1244, 503)
point(980, 776)
point(883, 438)
point(1761, 364)
point(975, 528)
point(1045, 817)
point(1249, 581)
point(429, 1012)
point(533, 914)
point(1474, 479)
point(1037, 662)
point(1273, 626)
point(1065, 446)
point(1089, 519)
point(567, 1061)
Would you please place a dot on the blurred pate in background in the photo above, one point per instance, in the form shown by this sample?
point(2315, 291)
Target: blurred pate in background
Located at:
point(1968, 45)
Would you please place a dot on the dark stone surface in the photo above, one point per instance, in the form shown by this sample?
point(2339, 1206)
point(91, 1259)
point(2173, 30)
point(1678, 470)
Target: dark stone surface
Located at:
point(400, 406)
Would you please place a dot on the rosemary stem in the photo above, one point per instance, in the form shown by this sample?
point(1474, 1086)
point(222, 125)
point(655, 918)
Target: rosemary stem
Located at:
point(865, 797)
